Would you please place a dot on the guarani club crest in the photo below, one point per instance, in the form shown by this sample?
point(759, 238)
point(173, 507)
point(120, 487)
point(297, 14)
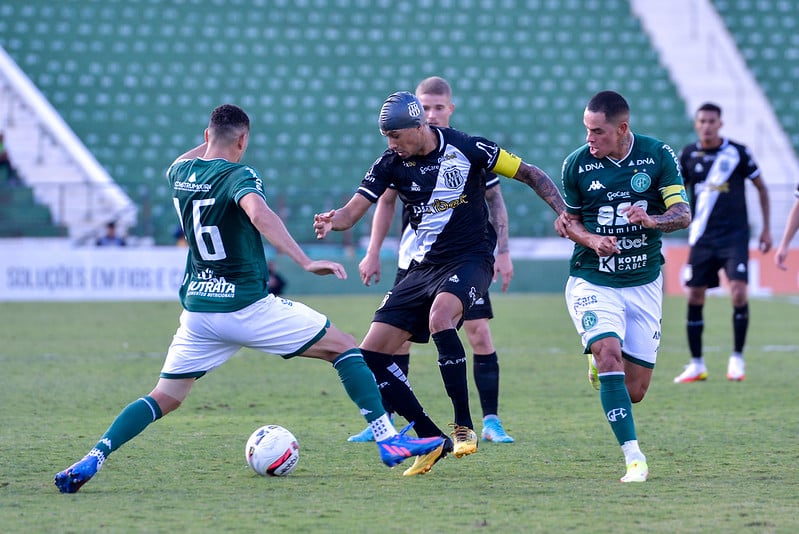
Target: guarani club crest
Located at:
point(640, 182)
point(589, 320)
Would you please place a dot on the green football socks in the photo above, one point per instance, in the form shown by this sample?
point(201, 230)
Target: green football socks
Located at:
point(130, 422)
point(617, 405)
point(359, 382)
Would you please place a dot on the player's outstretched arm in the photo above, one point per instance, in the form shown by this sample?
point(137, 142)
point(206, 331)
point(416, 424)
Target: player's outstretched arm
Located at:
point(342, 218)
point(272, 228)
point(541, 183)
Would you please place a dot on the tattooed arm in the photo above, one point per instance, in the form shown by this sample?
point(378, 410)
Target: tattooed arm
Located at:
point(503, 266)
point(677, 217)
point(499, 217)
point(542, 184)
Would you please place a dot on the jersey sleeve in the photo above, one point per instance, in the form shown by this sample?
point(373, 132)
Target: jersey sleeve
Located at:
point(170, 171)
point(376, 180)
point(246, 180)
point(748, 162)
point(671, 185)
point(571, 193)
point(685, 154)
point(492, 180)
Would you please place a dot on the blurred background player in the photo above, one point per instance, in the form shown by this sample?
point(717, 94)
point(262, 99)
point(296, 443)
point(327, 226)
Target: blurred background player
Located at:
point(716, 170)
point(8, 174)
point(277, 282)
point(111, 238)
point(622, 191)
point(435, 94)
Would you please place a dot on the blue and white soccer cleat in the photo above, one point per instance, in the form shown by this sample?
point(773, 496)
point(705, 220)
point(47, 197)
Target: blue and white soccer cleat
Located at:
point(363, 436)
point(493, 430)
point(400, 447)
point(73, 477)
point(366, 434)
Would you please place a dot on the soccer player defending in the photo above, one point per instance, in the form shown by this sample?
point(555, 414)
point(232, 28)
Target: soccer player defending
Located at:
point(622, 191)
point(435, 94)
point(439, 175)
point(222, 209)
point(716, 170)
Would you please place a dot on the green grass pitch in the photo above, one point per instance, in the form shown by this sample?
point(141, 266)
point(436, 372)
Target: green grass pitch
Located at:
point(723, 456)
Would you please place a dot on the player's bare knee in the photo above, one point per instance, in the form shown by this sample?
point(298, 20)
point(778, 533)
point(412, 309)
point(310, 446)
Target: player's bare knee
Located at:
point(166, 403)
point(637, 393)
point(608, 361)
point(336, 340)
point(442, 321)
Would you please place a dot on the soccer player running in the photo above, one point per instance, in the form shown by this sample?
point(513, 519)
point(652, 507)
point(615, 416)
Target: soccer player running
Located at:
point(439, 175)
point(716, 170)
point(435, 94)
point(223, 211)
point(622, 191)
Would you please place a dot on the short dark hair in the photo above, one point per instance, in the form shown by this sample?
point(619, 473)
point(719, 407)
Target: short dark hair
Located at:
point(228, 122)
point(434, 85)
point(611, 103)
point(710, 106)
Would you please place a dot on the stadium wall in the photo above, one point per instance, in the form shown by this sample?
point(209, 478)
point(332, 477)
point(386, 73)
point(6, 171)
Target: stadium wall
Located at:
point(51, 270)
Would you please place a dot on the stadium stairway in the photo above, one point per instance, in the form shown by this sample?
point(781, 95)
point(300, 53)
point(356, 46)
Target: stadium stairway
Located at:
point(706, 64)
point(55, 166)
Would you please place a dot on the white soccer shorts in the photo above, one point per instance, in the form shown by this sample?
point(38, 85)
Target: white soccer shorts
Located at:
point(633, 314)
point(276, 325)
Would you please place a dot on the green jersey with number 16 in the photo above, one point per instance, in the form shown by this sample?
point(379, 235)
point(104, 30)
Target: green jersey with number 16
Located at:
point(226, 267)
point(600, 190)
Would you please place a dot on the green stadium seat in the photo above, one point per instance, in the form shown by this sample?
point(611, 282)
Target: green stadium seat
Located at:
point(766, 34)
point(136, 83)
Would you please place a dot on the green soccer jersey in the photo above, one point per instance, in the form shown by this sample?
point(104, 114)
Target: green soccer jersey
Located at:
point(600, 189)
point(226, 267)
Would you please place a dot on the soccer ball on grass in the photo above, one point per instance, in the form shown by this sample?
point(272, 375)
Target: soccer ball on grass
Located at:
point(272, 451)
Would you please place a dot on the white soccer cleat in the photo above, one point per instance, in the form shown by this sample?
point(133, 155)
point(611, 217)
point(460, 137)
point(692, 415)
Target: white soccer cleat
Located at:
point(637, 471)
point(735, 369)
point(694, 372)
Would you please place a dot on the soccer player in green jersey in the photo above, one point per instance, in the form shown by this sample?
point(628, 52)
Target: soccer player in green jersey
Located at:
point(223, 212)
point(622, 191)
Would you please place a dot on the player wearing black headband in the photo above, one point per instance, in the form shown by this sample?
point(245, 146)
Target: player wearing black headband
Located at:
point(439, 175)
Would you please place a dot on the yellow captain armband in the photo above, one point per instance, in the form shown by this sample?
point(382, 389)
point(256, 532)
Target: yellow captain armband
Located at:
point(507, 163)
point(673, 194)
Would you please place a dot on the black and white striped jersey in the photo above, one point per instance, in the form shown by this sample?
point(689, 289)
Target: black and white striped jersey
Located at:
point(443, 193)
